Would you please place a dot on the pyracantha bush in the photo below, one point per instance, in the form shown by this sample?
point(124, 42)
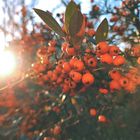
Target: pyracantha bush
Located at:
point(75, 83)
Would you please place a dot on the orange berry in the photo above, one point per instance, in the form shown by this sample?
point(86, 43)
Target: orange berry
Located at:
point(134, 78)
point(65, 88)
point(106, 58)
point(114, 18)
point(51, 49)
point(67, 80)
point(45, 60)
point(125, 13)
point(133, 70)
point(89, 24)
point(41, 68)
point(56, 109)
point(92, 62)
point(87, 57)
point(87, 50)
point(114, 50)
point(98, 54)
point(70, 51)
point(114, 74)
point(138, 60)
point(119, 60)
point(78, 65)
point(136, 51)
point(93, 112)
point(37, 67)
point(58, 69)
point(72, 61)
point(64, 46)
point(102, 118)
point(88, 79)
point(52, 43)
point(124, 81)
point(42, 51)
point(49, 74)
point(59, 80)
point(91, 32)
point(102, 47)
point(128, 75)
point(103, 91)
point(60, 62)
point(45, 77)
point(54, 77)
point(66, 67)
point(131, 87)
point(96, 8)
point(72, 84)
point(115, 28)
point(114, 85)
point(57, 130)
point(76, 76)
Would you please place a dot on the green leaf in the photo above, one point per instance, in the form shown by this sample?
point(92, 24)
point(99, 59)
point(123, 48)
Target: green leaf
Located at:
point(76, 22)
point(102, 31)
point(70, 10)
point(50, 21)
point(76, 40)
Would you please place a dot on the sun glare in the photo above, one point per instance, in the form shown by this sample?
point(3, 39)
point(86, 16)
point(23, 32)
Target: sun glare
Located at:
point(7, 63)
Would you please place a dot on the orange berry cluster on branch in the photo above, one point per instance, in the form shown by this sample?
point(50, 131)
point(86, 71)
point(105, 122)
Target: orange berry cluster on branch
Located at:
point(127, 81)
point(75, 65)
point(72, 70)
point(109, 54)
point(83, 62)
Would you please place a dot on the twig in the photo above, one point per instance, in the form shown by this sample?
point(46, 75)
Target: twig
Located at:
point(98, 69)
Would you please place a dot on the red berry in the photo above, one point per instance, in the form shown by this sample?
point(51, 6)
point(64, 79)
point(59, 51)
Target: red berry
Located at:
point(102, 118)
point(93, 112)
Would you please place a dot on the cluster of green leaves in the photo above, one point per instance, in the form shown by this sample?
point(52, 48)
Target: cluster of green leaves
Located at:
point(73, 20)
point(72, 23)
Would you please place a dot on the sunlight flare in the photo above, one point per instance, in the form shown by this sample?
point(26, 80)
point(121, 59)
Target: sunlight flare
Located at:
point(7, 63)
